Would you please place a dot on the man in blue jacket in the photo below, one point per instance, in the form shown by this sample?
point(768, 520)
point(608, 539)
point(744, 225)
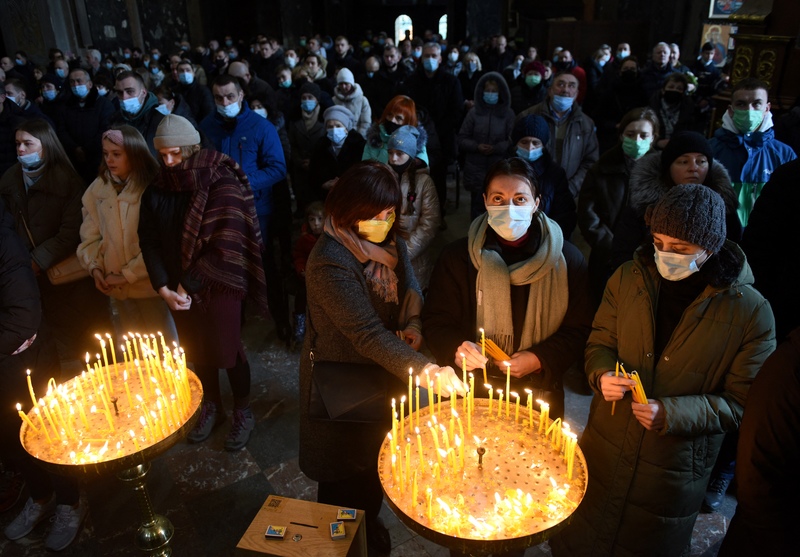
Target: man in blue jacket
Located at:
point(253, 142)
point(745, 144)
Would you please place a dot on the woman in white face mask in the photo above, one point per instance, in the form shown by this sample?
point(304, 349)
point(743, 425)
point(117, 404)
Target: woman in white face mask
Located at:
point(684, 315)
point(515, 277)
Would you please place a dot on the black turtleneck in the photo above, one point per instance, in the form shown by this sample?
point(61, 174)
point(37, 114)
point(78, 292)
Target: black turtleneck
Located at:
point(673, 298)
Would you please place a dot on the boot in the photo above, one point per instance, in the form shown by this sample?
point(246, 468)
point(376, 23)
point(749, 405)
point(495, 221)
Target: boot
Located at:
point(299, 328)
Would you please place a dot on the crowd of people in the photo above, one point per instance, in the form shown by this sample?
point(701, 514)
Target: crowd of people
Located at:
point(178, 180)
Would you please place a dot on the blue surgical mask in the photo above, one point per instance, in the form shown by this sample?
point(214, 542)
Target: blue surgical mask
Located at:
point(491, 97)
point(232, 55)
point(291, 62)
point(109, 66)
point(530, 156)
point(102, 92)
point(308, 106)
point(61, 72)
point(286, 84)
point(163, 109)
point(370, 74)
point(430, 64)
point(229, 111)
point(417, 53)
point(337, 135)
point(261, 112)
point(473, 67)
point(80, 91)
point(50, 94)
point(127, 55)
point(676, 266)
point(132, 105)
point(228, 43)
point(146, 63)
point(561, 104)
point(622, 54)
point(12, 99)
point(510, 222)
point(19, 62)
point(186, 78)
point(155, 57)
point(30, 160)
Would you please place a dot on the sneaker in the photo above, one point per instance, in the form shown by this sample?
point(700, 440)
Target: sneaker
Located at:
point(32, 514)
point(66, 524)
point(210, 418)
point(242, 427)
point(12, 485)
point(715, 493)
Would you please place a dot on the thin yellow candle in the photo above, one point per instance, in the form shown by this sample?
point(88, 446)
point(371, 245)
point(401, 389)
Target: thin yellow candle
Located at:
point(410, 398)
point(159, 424)
point(614, 403)
point(79, 386)
point(25, 418)
point(402, 416)
point(499, 403)
point(108, 414)
point(508, 387)
point(394, 423)
point(488, 386)
point(446, 438)
point(414, 490)
point(417, 393)
point(516, 412)
point(452, 419)
point(460, 427)
point(49, 418)
point(113, 354)
point(464, 377)
point(41, 422)
point(30, 388)
point(460, 448)
point(544, 409)
point(439, 394)
point(127, 390)
point(103, 347)
point(391, 442)
point(82, 414)
point(146, 429)
point(408, 460)
point(529, 404)
point(150, 424)
point(437, 466)
point(431, 399)
point(419, 450)
point(141, 377)
point(435, 435)
point(137, 340)
point(471, 402)
point(451, 458)
point(56, 408)
point(164, 423)
point(483, 353)
point(429, 496)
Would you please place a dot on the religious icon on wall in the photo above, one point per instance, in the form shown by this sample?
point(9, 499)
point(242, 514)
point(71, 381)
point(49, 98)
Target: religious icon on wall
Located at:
point(720, 37)
point(724, 8)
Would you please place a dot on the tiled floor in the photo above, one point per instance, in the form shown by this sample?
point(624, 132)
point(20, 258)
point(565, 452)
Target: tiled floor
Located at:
point(210, 495)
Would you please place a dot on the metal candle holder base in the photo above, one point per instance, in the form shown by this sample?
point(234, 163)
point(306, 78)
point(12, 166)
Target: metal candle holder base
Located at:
point(155, 532)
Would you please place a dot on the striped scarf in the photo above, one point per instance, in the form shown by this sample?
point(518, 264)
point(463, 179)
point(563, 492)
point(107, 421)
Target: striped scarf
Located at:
point(221, 243)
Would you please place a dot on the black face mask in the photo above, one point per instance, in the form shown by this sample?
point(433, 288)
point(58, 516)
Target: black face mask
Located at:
point(564, 66)
point(400, 168)
point(672, 97)
point(390, 127)
point(628, 76)
point(219, 63)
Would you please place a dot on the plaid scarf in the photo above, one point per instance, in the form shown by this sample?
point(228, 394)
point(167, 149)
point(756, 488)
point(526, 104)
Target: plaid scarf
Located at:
point(221, 242)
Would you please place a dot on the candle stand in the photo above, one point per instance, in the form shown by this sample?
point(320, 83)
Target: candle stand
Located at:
point(130, 465)
point(503, 486)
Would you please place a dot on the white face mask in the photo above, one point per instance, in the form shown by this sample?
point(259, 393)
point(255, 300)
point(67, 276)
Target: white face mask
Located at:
point(511, 222)
point(676, 266)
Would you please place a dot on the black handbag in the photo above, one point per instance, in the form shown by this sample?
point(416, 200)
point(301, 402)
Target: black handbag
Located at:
point(349, 393)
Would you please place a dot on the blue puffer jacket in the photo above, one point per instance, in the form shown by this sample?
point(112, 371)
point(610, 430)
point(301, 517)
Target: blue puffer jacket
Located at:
point(253, 142)
point(750, 159)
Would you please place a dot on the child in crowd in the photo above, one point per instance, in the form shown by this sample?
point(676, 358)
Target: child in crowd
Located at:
point(310, 233)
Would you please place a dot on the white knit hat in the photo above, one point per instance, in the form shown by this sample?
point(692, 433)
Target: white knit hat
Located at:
point(175, 131)
point(345, 76)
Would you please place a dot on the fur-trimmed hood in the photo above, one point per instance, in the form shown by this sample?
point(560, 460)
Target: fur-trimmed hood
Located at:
point(378, 138)
point(647, 185)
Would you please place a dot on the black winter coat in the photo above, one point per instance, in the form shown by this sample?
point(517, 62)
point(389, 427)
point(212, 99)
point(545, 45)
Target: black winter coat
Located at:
point(199, 99)
point(10, 118)
point(326, 166)
point(82, 127)
point(442, 98)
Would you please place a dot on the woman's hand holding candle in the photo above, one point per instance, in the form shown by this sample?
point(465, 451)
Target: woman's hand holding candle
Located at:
point(614, 388)
point(472, 355)
point(448, 378)
point(522, 363)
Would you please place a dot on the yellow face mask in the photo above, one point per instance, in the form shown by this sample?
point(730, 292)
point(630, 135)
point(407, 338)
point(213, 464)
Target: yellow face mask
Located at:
point(374, 230)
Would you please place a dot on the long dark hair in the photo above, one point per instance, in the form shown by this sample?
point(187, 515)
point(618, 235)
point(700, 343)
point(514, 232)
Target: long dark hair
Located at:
point(363, 191)
point(57, 164)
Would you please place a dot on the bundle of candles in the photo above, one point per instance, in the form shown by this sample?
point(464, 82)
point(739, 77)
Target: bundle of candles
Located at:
point(112, 410)
point(637, 390)
point(509, 475)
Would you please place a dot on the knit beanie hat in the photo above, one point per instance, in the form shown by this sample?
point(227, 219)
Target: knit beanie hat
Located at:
point(342, 114)
point(685, 142)
point(405, 139)
point(534, 66)
point(531, 126)
point(175, 131)
point(311, 89)
point(345, 76)
point(692, 213)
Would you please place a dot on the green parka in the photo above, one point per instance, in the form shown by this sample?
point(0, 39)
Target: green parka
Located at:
point(645, 487)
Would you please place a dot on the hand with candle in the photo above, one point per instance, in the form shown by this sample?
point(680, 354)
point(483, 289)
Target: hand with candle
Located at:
point(613, 387)
point(447, 377)
point(472, 355)
point(522, 364)
point(652, 415)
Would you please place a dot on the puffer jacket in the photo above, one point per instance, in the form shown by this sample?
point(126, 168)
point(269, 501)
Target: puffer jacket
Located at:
point(421, 224)
point(485, 124)
point(110, 237)
point(647, 186)
point(253, 143)
point(358, 104)
point(646, 487)
point(580, 149)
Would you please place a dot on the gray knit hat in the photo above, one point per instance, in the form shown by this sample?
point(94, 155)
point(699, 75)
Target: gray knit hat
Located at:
point(342, 114)
point(175, 131)
point(692, 213)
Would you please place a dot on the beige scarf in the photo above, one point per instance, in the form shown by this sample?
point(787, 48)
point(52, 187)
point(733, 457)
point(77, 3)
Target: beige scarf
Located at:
point(545, 272)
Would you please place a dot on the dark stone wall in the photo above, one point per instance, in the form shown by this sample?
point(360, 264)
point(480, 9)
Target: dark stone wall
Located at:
point(108, 24)
point(164, 23)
